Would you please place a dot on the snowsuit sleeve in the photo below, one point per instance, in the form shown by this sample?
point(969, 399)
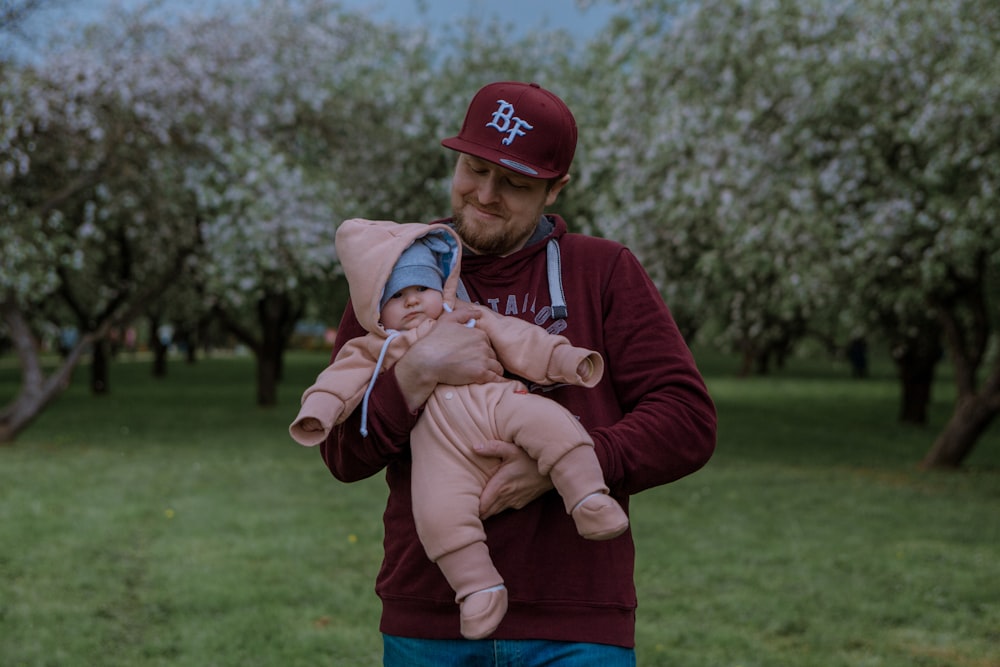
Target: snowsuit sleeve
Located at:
point(538, 356)
point(335, 394)
point(340, 388)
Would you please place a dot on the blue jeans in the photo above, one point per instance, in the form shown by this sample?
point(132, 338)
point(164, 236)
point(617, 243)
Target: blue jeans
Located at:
point(406, 652)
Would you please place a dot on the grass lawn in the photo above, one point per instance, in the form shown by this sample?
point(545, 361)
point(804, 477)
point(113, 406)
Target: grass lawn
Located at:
point(174, 523)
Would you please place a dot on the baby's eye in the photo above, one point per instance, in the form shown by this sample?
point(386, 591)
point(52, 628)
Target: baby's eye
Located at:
point(397, 295)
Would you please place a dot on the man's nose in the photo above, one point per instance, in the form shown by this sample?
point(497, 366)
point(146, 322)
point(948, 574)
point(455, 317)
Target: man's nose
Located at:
point(487, 191)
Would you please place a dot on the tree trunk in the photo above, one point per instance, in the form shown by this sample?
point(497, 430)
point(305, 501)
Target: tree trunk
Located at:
point(916, 359)
point(186, 340)
point(276, 316)
point(100, 381)
point(748, 359)
point(763, 363)
point(203, 335)
point(916, 397)
point(857, 355)
point(37, 391)
point(157, 347)
point(965, 319)
point(268, 376)
point(972, 416)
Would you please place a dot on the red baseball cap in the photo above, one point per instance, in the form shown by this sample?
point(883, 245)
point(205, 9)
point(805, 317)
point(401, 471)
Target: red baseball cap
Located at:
point(520, 126)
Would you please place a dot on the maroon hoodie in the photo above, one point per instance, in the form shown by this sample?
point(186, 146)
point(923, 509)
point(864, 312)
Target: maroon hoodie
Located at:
point(651, 419)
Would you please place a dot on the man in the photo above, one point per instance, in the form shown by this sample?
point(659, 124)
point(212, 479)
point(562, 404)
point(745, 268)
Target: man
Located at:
point(571, 601)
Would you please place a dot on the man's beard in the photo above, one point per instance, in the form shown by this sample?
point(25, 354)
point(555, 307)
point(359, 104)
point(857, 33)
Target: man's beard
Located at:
point(483, 241)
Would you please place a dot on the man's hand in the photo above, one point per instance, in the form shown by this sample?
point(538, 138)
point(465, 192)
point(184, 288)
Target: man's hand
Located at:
point(515, 483)
point(451, 353)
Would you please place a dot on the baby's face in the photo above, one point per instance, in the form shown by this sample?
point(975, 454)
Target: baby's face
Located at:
point(409, 307)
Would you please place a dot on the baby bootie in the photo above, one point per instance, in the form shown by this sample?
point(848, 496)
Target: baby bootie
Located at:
point(482, 612)
point(599, 517)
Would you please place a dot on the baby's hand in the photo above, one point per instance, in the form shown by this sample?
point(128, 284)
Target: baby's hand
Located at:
point(311, 424)
point(585, 369)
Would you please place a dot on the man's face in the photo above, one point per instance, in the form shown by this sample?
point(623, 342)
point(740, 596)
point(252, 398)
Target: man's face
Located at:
point(496, 209)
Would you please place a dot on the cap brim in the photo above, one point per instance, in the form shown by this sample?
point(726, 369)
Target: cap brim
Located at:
point(498, 158)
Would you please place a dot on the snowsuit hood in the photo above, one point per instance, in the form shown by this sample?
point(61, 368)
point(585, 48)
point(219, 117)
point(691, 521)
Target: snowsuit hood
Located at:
point(368, 251)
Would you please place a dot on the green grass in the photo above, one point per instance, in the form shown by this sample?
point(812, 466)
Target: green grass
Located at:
point(174, 523)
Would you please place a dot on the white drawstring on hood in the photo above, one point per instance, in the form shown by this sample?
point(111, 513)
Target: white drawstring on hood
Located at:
point(371, 384)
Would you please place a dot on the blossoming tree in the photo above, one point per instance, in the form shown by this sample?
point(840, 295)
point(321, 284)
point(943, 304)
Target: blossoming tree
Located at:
point(93, 225)
point(793, 166)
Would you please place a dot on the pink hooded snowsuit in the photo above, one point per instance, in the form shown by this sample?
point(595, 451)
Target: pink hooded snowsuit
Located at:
point(447, 475)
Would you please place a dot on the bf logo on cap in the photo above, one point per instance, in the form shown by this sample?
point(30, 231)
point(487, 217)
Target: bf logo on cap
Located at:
point(505, 121)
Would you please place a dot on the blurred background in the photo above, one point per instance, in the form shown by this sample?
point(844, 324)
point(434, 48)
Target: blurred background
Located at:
point(812, 184)
point(800, 177)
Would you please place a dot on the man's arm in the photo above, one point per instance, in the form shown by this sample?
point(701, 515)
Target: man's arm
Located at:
point(667, 423)
point(668, 427)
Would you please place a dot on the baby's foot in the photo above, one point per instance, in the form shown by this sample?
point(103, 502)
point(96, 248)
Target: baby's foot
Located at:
point(482, 612)
point(599, 517)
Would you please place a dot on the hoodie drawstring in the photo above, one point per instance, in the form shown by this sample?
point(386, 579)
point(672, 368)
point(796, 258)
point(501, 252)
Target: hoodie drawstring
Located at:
point(553, 269)
point(553, 265)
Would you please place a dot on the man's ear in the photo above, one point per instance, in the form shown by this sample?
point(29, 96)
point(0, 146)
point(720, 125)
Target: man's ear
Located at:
point(553, 193)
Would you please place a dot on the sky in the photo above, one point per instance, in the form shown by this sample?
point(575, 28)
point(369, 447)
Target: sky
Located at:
point(531, 14)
